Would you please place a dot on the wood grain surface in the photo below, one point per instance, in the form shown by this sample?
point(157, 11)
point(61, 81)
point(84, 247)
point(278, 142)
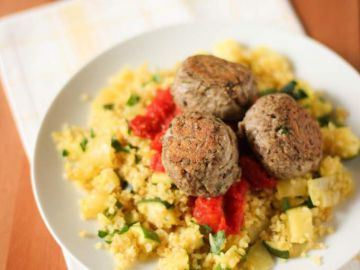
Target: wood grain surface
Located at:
point(25, 242)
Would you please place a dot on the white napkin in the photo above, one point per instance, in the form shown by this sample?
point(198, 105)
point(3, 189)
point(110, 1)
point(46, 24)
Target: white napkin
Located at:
point(41, 48)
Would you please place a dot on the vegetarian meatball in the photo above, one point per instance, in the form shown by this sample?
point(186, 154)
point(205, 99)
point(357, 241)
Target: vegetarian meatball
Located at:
point(210, 84)
point(200, 154)
point(286, 139)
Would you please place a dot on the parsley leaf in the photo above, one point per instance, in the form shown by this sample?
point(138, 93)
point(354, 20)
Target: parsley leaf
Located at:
point(65, 153)
point(150, 235)
point(217, 242)
point(137, 159)
point(289, 88)
point(267, 92)
point(133, 100)
point(92, 133)
point(115, 143)
point(285, 204)
point(205, 229)
point(124, 229)
point(83, 144)
point(156, 78)
point(157, 200)
point(102, 234)
point(219, 267)
point(118, 205)
point(125, 185)
point(109, 106)
point(282, 130)
point(309, 203)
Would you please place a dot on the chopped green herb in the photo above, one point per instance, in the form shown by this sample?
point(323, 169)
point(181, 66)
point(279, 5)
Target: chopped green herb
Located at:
point(285, 204)
point(205, 229)
point(217, 242)
point(115, 143)
point(65, 153)
point(137, 159)
point(102, 234)
point(267, 92)
point(328, 118)
point(219, 267)
point(309, 203)
point(133, 100)
point(83, 144)
point(108, 106)
point(92, 133)
point(118, 205)
point(108, 242)
point(289, 88)
point(282, 130)
point(300, 94)
point(157, 200)
point(125, 185)
point(132, 146)
point(156, 78)
point(124, 229)
point(150, 235)
point(108, 214)
point(324, 120)
point(129, 129)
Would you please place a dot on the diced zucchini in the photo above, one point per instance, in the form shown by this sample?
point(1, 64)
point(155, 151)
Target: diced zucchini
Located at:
point(276, 251)
point(292, 188)
point(158, 212)
point(288, 203)
point(300, 224)
point(157, 200)
point(158, 177)
point(259, 258)
point(297, 249)
point(145, 235)
point(321, 192)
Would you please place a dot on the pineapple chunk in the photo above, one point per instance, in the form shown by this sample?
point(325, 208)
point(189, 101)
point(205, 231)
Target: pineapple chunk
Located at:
point(292, 188)
point(259, 258)
point(158, 214)
point(300, 224)
point(177, 260)
point(322, 193)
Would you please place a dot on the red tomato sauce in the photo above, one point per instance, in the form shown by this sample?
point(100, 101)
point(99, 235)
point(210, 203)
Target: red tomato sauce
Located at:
point(153, 124)
point(227, 212)
point(256, 175)
point(223, 212)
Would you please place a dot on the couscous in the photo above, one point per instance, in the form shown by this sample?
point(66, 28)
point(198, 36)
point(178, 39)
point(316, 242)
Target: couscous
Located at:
point(142, 214)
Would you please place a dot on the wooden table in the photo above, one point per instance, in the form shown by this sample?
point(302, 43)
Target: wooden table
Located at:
point(25, 242)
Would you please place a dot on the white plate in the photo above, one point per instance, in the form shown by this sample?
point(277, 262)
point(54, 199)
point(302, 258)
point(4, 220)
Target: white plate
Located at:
point(57, 199)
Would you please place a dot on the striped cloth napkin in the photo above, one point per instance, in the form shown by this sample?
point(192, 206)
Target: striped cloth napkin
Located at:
point(41, 48)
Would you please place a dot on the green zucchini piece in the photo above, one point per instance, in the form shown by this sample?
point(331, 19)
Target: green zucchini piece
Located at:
point(157, 200)
point(150, 235)
point(259, 258)
point(281, 253)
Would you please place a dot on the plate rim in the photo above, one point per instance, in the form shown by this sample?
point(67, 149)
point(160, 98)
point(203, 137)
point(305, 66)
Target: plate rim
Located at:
point(90, 62)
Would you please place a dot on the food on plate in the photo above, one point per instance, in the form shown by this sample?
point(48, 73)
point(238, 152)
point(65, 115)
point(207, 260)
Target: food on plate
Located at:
point(143, 152)
point(200, 154)
point(213, 85)
point(283, 135)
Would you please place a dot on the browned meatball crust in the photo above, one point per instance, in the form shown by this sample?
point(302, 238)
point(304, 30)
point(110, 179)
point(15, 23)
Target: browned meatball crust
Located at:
point(286, 139)
point(200, 154)
point(210, 84)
